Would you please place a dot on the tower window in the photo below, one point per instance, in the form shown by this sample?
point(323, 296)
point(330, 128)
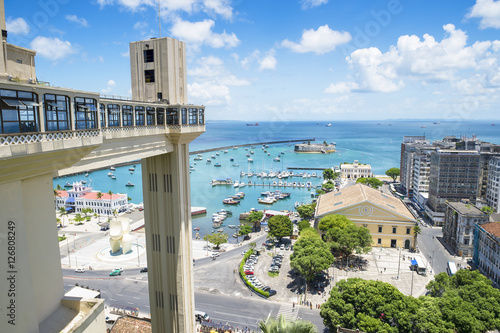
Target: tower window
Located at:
point(149, 56)
point(149, 75)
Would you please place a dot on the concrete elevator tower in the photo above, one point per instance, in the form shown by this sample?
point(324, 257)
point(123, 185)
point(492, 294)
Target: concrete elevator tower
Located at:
point(158, 69)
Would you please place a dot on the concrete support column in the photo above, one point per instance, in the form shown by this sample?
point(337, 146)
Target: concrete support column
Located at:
point(167, 214)
point(31, 284)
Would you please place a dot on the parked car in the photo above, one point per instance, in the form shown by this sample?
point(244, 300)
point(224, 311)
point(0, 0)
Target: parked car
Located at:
point(115, 272)
point(144, 270)
point(80, 270)
point(282, 247)
point(248, 272)
point(266, 288)
point(272, 292)
point(214, 254)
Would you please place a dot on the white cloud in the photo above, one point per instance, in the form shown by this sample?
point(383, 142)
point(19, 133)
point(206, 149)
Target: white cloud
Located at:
point(269, 61)
point(140, 25)
point(111, 84)
point(319, 41)
point(209, 93)
point(220, 7)
point(305, 4)
point(212, 69)
point(79, 20)
point(17, 26)
point(341, 88)
point(125, 54)
point(200, 33)
point(425, 60)
point(52, 48)
point(488, 11)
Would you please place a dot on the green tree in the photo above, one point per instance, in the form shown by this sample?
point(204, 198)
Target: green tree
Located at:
point(306, 211)
point(110, 202)
point(280, 226)
point(216, 238)
point(348, 239)
point(416, 231)
point(245, 230)
point(330, 221)
point(87, 211)
point(310, 256)
point(78, 218)
point(99, 197)
point(328, 186)
point(303, 224)
point(252, 245)
point(62, 213)
point(320, 192)
point(371, 181)
point(328, 174)
point(255, 217)
point(393, 173)
point(487, 210)
point(281, 325)
point(310, 232)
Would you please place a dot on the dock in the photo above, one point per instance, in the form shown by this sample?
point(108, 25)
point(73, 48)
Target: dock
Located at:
point(249, 144)
point(305, 168)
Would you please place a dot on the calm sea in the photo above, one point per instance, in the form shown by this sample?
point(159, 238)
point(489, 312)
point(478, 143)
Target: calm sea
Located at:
point(374, 143)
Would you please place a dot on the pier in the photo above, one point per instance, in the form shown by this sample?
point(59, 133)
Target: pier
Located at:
point(249, 144)
point(305, 168)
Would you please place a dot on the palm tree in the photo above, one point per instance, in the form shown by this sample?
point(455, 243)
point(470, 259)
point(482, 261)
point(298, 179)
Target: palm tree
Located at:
point(99, 197)
point(252, 245)
point(416, 231)
point(110, 196)
point(62, 212)
point(281, 325)
point(56, 195)
point(78, 218)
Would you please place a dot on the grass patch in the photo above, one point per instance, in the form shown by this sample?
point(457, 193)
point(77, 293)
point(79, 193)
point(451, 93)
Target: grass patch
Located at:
point(61, 238)
point(273, 274)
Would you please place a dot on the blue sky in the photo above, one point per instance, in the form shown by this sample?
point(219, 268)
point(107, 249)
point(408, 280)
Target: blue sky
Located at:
point(254, 60)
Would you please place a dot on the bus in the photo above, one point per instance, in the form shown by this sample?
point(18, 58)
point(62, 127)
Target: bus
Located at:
point(451, 268)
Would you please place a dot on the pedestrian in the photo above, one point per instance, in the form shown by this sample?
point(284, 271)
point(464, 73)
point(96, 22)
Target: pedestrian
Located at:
point(384, 269)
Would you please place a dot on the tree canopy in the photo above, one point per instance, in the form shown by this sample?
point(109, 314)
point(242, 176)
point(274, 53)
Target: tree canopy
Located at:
point(310, 256)
point(463, 303)
point(306, 211)
point(393, 173)
point(329, 174)
point(344, 236)
point(280, 226)
point(216, 238)
point(281, 324)
point(303, 224)
point(487, 210)
point(245, 230)
point(371, 181)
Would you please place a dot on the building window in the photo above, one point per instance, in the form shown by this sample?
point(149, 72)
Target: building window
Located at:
point(172, 116)
point(18, 112)
point(149, 56)
point(201, 116)
point(128, 115)
point(379, 241)
point(139, 115)
point(56, 112)
point(394, 230)
point(408, 230)
point(102, 108)
point(149, 75)
point(160, 116)
point(113, 115)
point(466, 241)
point(184, 116)
point(193, 116)
point(379, 228)
point(85, 113)
point(365, 225)
point(150, 115)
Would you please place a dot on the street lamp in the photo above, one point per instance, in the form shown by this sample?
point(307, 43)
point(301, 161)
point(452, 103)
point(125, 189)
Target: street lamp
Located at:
point(399, 263)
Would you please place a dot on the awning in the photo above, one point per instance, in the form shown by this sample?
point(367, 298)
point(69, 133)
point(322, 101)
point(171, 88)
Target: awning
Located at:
point(12, 102)
point(57, 105)
point(69, 208)
point(30, 103)
point(70, 199)
point(414, 262)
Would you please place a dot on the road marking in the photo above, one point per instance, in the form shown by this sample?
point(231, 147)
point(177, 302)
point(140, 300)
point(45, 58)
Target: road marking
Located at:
point(119, 295)
point(136, 298)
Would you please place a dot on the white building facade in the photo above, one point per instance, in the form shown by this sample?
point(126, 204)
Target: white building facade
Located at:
point(486, 255)
point(493, 187)
point(355, 170)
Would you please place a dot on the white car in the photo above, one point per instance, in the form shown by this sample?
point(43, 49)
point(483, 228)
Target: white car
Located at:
point(80, 270)
point(214, 254)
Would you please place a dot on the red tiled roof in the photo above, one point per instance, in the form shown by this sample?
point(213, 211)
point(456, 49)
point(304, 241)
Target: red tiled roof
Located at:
point(493, 228)
point(105, 196)
point(62, 194)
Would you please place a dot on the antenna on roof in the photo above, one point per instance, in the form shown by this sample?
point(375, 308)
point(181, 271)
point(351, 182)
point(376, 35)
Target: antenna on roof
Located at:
point(159, 16)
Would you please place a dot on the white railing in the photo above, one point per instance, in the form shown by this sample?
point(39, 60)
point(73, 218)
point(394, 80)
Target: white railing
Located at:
point(24, 138)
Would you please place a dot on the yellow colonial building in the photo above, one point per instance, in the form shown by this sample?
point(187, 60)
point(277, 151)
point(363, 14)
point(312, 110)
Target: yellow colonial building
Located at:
point(389, 221)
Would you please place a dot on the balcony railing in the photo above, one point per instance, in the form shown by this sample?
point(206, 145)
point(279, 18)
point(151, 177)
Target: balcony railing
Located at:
point(106, 133)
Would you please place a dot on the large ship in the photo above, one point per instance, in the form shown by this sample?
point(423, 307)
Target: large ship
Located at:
point(253, 124)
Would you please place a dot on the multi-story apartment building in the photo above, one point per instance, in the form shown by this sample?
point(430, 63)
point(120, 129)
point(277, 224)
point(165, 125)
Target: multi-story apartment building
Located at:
point(355, 170)
point(458, 229)
point(408, 148)
point(493, 187)
point(454, 176)
point(486, 255)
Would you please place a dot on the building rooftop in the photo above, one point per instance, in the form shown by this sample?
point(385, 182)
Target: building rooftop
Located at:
point(465, 209)
point(358, 193)
point(493, 228)
point(129, 324)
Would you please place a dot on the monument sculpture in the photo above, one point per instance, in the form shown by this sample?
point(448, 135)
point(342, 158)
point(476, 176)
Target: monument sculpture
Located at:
point(119, 236)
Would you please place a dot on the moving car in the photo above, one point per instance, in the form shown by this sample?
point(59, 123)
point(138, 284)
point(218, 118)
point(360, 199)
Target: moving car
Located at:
point(144, 270)
point(115, 272)
point(201, 316)
point(80, 270)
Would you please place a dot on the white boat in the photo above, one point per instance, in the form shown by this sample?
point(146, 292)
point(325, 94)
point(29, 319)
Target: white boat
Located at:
point(212, 157)
point(110, 174)
point(267, 200)
point(86, 174)
point(250, 160)
point(236, 165)
point(235, 147)
point(225, 151)
point(328, 125)
point(129, 183)
point(236, 184)
point(242, 184)
point(199, 155)
point(112, 168)
point(113, 177)
point(209, 161)
point(276, 159)
point(242, 174)
point(131, 169)
point(275, 183)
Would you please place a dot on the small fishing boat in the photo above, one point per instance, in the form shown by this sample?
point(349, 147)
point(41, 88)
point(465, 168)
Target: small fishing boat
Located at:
point(217, 164)
point(197, 229)
point(113, 177)
point(131, 169)
point(68, 185)
point(129, 183)
point(112, 168)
